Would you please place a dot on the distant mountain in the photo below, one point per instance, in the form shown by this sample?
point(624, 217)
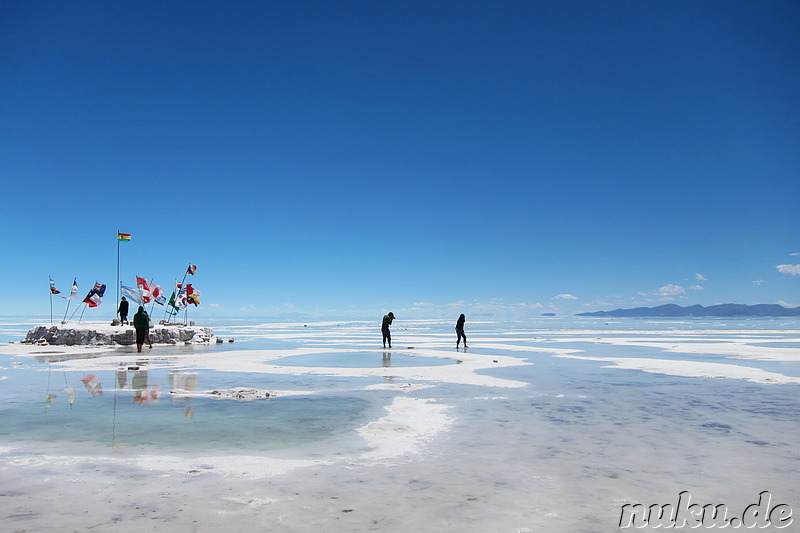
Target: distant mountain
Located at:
point(670, 310)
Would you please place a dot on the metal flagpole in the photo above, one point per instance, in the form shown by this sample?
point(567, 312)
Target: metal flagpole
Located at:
point(152, 307)
point(75, 311)
point(51, 299)
point(182, 287)
point(69, 301)
point(116, 304)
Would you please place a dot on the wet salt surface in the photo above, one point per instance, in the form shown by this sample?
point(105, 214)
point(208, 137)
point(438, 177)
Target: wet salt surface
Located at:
point(562, 453)
point(362, 360)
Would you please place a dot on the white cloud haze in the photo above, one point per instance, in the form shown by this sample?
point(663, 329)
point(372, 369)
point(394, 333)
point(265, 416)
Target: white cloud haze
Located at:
point(791, 270)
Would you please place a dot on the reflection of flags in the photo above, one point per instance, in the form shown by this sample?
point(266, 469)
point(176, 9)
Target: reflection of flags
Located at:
point(144, 289)
point(124, 237)
point(131, 293)
point(192, 295)
point(92, 384)
point(53, 289)
point(191, 270)
point(95, 295)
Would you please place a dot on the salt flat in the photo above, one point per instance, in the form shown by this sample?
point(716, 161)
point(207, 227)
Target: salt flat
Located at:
point(538, 426)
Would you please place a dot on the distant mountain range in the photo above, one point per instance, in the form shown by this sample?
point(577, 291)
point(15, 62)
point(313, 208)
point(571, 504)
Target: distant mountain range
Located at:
point(670, 310)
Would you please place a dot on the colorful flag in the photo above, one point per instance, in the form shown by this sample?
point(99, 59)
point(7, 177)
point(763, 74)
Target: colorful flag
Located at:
point(180, 298)
point(157, 294)
point(178, 301)
point(95, 295)
point(131, 293)
point(73, 292)
point(192, 295)
point(155, 291)
point(124, 237)
point(172, 302)
point(144, 289)
point(53, 289)
point(191, 270)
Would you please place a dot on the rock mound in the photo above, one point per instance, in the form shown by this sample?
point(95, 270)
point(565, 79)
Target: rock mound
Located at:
point(121, 335)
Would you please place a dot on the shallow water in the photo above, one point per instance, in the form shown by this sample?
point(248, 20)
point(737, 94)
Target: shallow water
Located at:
point(562, 454)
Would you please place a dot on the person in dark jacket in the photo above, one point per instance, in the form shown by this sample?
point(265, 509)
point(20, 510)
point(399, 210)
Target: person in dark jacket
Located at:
point(387, 335)
point(141, 323)
point(460, 331)
point(123, 311)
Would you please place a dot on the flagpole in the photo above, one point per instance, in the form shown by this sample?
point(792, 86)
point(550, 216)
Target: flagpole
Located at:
point(51, 300)
point(75, 311)
point(116, 304)
point(152, 307)
point(182, 287)
point(69, 301)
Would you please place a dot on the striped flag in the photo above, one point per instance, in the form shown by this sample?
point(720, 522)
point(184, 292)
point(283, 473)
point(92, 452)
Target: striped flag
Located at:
point(123, 237)
point(53, 289)
point(131, 293)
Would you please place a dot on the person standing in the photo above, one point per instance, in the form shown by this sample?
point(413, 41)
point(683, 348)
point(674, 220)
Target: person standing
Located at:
point(460, 331)
point(387, 335)
point(141, 322)
point(123, 311)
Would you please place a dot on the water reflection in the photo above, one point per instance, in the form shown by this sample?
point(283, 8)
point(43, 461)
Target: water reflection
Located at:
point(186, 381)
point(92, 384)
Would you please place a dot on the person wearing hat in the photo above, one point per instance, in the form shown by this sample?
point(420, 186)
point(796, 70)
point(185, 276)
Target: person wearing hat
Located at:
point(387, 335)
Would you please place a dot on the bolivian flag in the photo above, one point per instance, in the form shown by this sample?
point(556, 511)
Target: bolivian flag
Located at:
point(123, 236)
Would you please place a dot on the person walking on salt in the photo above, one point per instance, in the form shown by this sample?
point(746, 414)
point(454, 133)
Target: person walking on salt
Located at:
point(141, 322)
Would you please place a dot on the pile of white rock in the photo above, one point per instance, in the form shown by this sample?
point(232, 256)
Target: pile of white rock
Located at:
point(110, 335)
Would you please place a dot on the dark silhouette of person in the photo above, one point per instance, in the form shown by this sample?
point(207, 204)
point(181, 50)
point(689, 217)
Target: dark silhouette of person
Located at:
point(460, 331)
point(387, 335)
point(123, 311)
point(141, 322)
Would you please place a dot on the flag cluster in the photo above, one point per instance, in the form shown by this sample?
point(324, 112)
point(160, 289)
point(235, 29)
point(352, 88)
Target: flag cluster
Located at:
point(145, 292)
point(72, 293)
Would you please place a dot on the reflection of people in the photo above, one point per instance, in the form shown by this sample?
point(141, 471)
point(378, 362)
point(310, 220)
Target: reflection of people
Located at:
point(460, 331)
point(123, 311)
point(387, 335)
point(141, 322)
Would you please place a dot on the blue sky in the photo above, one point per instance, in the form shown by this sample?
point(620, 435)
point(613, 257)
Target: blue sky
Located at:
point(349, 158)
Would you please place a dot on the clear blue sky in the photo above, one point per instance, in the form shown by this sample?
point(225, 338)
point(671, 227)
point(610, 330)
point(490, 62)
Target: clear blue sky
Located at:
point(431, 158)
